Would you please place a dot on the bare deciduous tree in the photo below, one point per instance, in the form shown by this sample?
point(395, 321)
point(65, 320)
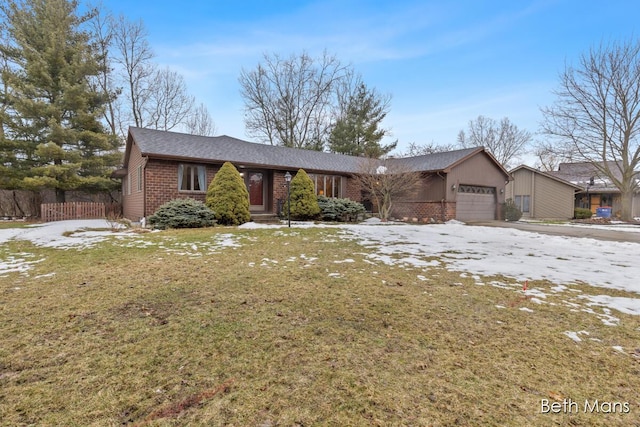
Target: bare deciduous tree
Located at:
point(384, 182)
point(503, 140)
point(169, 103)
point(288, 101)
point(134, 57)
point(549, 156)
point(103, 30)
point(415, 149)
point(200, 122)
point(597, 114)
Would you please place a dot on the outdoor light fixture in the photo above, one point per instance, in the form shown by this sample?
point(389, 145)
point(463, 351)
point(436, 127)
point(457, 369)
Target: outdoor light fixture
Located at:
point(453, 187)
point(287, 178)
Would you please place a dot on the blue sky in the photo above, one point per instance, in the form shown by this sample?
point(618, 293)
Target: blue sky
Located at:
point(443, 62)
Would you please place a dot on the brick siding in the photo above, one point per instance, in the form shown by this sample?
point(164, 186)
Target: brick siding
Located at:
point(424, 211)
point(161, 177)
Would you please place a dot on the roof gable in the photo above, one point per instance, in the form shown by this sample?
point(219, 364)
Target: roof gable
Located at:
point(545, 174)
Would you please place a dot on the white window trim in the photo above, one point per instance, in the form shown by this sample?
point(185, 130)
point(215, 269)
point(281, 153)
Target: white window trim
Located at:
point(201, 176)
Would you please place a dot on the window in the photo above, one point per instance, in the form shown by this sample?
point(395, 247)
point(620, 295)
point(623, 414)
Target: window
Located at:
point(476, 189)
point(522, 203)
point(191, 178)
point(140, 178)
point(327, 185)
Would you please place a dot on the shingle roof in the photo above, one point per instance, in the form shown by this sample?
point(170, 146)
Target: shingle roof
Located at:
point(436, 161)
point(173, 145)
point(580, 173)
point(224, 148)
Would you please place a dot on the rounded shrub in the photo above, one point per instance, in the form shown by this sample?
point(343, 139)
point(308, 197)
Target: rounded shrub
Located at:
point(582, 213)
point(182, 213)
point(511, 211)
point(228, 197)
point(337, 209)
point(304, 204)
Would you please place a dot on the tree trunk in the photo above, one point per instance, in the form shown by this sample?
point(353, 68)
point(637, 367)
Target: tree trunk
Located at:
point(60, 195)
point(626, 198)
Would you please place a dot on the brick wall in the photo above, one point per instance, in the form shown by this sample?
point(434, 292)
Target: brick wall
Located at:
point(352, 190)
point(162, 184)
point(424, 211)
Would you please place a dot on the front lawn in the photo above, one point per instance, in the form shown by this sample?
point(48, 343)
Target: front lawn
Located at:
point(285, 327)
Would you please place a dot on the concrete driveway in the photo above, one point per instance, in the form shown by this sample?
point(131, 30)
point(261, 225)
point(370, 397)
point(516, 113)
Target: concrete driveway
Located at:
point(582, 230)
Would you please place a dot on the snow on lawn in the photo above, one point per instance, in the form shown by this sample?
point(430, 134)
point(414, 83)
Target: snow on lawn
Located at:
point(505, 251)
point(56, 234)
point(473, 250)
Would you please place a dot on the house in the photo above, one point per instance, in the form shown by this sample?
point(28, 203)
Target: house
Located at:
point(160, 166)
point(596, 189)
point(540, 195)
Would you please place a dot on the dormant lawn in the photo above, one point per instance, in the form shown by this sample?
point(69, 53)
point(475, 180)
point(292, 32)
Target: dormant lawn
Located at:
point(360, 325)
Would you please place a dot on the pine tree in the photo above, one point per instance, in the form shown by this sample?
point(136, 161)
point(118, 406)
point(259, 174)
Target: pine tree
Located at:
point(357, 131)
point(228, 197)
point(304, 203)
point(52, 124)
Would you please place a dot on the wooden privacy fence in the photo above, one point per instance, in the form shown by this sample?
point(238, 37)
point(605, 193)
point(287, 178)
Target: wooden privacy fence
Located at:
point(71, 210)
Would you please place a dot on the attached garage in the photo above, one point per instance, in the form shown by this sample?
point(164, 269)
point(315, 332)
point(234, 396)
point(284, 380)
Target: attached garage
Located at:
point(475, 203)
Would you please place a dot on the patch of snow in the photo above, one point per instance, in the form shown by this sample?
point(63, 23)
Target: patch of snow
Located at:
point(526, 309)
point(618, 348)
point(256, 225)
point(575, 335)
point(502, 251)
point(52, 234)
point(420, 277)
point(45, 275)
point(348, 260)
point(622, 304)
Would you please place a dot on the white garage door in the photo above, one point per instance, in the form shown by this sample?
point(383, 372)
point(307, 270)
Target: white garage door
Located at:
point(475, 203)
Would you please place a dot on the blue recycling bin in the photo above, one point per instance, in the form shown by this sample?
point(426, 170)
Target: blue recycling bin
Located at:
point(603, 212)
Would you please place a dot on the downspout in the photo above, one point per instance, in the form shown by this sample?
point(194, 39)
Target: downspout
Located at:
point(144, 189)
point(532, 198)
point(443, 201)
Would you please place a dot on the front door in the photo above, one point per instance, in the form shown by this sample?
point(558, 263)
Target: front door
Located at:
point(256, 185)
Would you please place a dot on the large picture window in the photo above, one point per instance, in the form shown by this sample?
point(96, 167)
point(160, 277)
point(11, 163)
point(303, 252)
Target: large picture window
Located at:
point(191, 177)
point(327, 185)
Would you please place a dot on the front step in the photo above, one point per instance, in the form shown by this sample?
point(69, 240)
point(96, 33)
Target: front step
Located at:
point(265, 218)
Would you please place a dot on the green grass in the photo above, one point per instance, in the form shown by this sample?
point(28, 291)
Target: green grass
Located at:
point(13, 224)
point(256, 335)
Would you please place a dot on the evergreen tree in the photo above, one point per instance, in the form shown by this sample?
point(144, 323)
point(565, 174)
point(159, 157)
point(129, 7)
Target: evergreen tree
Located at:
point(304, 203)
point(357, 131)
point(228, 197)
point(53, 137)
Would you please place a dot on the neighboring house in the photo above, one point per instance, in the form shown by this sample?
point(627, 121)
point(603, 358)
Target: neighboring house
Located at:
point(160, 166)
point(596, 190)
point(540, 195)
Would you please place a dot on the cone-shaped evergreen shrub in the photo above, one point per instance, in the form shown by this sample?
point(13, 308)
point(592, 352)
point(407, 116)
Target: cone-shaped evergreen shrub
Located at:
point(304, 204)
point(228, 197)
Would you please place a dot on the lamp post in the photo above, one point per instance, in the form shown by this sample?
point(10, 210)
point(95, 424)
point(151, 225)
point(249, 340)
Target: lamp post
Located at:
point(287, 178)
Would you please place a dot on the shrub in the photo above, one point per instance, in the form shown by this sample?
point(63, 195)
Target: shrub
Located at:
point(228, 197)
point(582, 213)
point(304, 204)
point(182, 213)
point(511, 212)
point(335, 209)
